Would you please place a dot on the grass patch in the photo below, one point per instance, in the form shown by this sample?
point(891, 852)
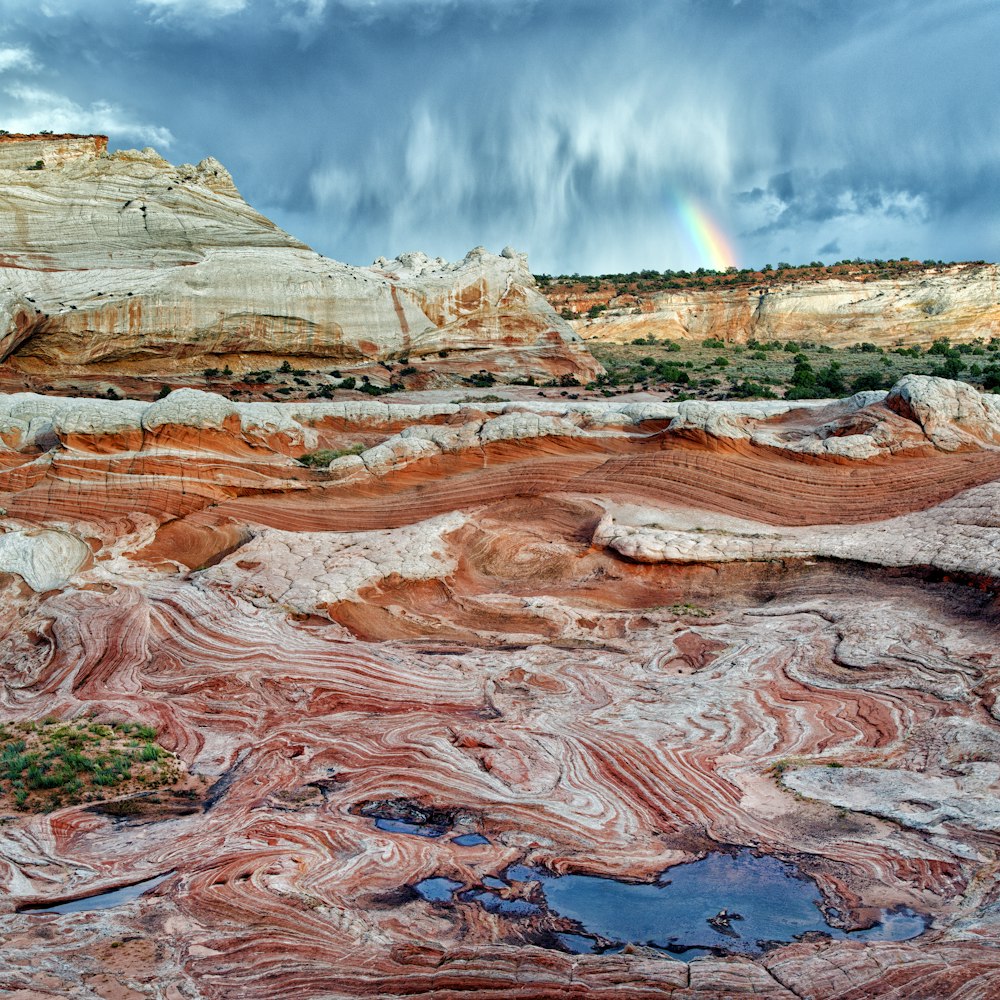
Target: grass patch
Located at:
point(48, 764)
point(689, 611)
point(769, 370)
point(324, 456)
point(488, 398)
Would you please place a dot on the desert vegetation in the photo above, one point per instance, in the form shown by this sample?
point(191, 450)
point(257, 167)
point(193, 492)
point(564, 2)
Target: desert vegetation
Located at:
point(48, 764)
point(712, 369)
point(638, 283)
point(321, 458)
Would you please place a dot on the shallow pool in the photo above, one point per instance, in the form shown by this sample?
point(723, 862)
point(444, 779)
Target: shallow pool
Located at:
point(102, 900)
point(774, 901)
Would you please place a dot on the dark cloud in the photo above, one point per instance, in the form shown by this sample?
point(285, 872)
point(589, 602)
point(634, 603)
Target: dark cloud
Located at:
point(570, 128)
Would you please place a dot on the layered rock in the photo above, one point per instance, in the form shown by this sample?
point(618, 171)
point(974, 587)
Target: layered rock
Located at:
point(961, 303)
point(448, 625)
point(958, 535)
point(128, 262)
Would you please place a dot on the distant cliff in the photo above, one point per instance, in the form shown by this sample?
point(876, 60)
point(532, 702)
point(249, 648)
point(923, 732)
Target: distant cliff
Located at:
point(959, 301)
point(125, 261)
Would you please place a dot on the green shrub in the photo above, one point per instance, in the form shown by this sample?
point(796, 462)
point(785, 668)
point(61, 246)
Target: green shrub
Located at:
point(991, 377)
point(800, 392)
point(71, 760)
point(830, 380)
point(803, 377)
point(319, 459)
point(750, 390)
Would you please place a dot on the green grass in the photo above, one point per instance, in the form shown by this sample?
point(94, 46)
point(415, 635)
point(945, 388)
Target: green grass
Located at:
point(324, 456)
point(48, 764)
point(772, 370)
point(690, 611)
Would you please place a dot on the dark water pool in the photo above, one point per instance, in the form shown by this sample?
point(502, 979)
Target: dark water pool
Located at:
point(469, 840)
point(775, 903)
point(438, 889)
point(102, 900)
point(493, 902)
point(414, 829)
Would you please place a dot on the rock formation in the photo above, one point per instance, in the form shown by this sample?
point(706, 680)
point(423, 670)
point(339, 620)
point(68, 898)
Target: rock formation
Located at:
point(125, 262)
point(959, 302)
point(607, 637)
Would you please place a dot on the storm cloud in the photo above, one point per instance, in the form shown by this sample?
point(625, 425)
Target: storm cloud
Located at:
point(572, 129)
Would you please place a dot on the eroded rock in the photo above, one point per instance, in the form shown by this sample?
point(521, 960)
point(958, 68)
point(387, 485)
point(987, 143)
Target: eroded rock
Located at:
point(123, 261)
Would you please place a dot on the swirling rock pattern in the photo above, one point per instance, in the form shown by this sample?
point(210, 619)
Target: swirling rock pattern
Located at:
point(607, 637)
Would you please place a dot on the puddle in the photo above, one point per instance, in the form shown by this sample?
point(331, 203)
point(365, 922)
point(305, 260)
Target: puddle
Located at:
point(103, 900)
point(896, 925)
point(724, 903)
point(494, 903)
point(579, 944)
point(437, 890)
point(775, 903)
point(414, 829)
point(406, 816)
point(469, 840)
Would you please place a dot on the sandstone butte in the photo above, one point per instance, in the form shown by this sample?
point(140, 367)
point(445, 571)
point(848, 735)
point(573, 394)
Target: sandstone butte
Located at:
point(126, 263)
point(608, 637)
point(961, 302)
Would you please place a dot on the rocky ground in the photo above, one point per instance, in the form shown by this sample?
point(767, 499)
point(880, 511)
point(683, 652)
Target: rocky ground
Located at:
point(608, 636)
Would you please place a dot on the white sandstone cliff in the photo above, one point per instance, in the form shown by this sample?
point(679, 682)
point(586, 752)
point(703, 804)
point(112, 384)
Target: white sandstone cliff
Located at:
point(126, 259)
point(961, 302)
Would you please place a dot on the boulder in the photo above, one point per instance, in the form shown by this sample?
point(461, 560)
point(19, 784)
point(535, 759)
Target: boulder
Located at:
point(953, 415)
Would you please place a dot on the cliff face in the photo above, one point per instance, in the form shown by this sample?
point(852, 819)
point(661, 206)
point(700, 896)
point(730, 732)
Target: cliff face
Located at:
point(961, 302)
point(21, 152)
point(128, 260)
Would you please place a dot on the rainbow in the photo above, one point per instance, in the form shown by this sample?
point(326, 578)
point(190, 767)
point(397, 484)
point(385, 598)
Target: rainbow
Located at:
point(710, 243)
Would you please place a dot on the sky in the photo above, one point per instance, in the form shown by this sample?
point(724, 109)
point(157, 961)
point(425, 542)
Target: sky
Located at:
point(596, 136)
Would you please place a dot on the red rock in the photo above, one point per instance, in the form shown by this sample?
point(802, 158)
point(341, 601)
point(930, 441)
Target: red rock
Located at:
point(438, 627)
